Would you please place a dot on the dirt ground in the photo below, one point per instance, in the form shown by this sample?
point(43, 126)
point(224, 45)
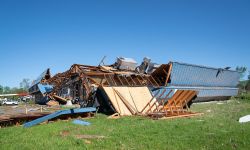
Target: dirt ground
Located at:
point(29, 108)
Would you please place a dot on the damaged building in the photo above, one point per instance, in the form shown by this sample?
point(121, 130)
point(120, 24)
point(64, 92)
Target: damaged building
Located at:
point(211, 83)
point(128, 89)
point(39, 87)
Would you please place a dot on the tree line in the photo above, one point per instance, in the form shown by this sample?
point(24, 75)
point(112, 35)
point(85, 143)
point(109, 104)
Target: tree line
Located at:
point(244, 85)
point(23, 88)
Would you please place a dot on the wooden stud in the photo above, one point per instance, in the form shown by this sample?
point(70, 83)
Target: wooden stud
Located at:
point(142, 78)
point(186, 97)
point(127, 80)
point(106, 80)
point(150, 101)
point(169, 71)
point(163, 92)
point(112, 79)
point(165, 98)
point(132, 80)
point(139, 81)
point(120, 80)
point(154, 81)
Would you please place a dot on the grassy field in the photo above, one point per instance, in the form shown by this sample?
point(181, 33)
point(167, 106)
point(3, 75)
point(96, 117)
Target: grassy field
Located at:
point(218, 128)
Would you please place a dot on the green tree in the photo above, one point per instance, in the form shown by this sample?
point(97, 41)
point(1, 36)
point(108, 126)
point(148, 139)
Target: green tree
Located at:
point(248, 82)
point(248, 75)
point(6, 90)
point(18, 90)
point(25, 84)
point(1, 89)
point(248, 86)
point(242, 70)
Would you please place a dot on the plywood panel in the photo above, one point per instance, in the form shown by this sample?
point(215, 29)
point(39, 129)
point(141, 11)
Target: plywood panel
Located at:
point(137, 97)
point(116, 101)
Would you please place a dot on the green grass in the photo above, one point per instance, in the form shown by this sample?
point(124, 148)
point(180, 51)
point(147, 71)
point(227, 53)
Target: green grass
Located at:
point(218, 128)
point(243, 96)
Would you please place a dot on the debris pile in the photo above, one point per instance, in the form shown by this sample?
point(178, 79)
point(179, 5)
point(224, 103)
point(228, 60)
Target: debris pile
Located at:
point(149, 89)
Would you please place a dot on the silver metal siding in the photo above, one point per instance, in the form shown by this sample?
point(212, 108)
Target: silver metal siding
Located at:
point(205, 92)
point(192, 75)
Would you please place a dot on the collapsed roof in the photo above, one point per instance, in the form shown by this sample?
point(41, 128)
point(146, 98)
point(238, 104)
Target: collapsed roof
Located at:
point(81, 83)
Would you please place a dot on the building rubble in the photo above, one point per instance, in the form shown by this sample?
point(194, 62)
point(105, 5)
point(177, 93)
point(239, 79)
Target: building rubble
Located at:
point(124, 88)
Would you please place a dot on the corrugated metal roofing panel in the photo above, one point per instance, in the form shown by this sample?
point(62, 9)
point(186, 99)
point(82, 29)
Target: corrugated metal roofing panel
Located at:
point(205, 91)
point(45, 88)
point(183, 74)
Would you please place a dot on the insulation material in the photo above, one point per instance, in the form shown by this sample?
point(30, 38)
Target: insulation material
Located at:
point(130, 100)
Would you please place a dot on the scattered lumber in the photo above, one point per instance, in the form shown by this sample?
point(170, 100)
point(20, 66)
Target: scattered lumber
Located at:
point(60, 99)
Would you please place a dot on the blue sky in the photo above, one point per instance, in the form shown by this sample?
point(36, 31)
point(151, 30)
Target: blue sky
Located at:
point(35, 35)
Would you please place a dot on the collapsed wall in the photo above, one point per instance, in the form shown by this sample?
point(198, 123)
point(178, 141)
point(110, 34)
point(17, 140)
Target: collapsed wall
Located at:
point(35, 88)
